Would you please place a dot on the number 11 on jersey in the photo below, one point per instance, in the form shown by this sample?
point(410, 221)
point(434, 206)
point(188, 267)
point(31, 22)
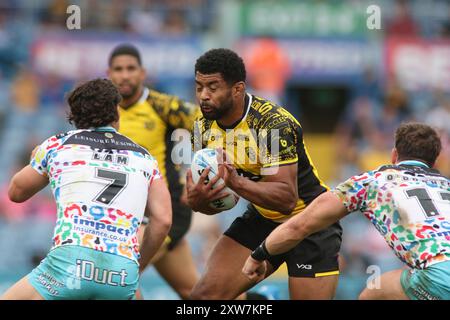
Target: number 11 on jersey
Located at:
point(431, 202)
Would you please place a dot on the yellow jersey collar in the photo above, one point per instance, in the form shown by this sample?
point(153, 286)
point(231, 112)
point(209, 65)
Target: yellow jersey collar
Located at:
point(144, 95)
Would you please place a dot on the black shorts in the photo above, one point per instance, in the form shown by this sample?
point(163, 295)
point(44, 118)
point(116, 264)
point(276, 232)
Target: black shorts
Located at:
point(316, 256)
point(181, 222)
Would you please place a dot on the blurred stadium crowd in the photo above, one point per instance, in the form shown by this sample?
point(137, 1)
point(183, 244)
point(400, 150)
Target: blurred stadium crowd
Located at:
point(349, 86)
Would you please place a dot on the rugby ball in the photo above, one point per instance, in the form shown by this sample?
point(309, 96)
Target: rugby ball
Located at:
point(208, 158)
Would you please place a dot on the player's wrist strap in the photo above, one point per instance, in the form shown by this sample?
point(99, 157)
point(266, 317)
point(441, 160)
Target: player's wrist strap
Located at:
point(261, 252)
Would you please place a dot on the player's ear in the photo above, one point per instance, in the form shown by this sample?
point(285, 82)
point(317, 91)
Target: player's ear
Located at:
point(238, 89)
point(394, 156)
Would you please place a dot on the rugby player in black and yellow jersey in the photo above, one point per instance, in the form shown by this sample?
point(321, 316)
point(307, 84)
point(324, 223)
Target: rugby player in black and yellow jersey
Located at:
point(278, 184)
point(149, 118)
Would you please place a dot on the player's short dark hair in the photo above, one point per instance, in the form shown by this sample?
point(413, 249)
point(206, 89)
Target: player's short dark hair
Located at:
point(125, 49)
point(417, 141)
point(223, 61)
point(94, 104)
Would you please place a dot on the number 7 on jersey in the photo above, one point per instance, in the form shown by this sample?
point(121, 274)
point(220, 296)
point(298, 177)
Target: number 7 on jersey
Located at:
point(119, 181)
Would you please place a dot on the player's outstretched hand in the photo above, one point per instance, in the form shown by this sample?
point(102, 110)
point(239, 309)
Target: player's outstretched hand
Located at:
point(254, 269)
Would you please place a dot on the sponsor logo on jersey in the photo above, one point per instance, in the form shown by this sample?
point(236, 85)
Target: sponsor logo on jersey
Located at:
point(100, 226)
